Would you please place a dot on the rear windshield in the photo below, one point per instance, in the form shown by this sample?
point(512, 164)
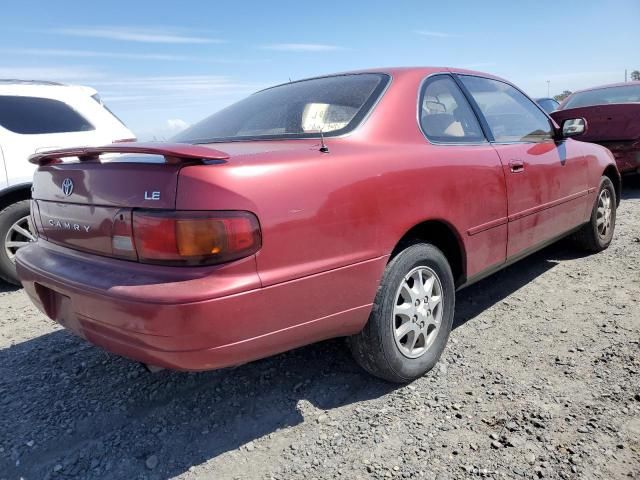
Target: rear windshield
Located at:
point(34, 115)
point(548, 104)
point(333, 105)
point(98, 99)
point(604, 96)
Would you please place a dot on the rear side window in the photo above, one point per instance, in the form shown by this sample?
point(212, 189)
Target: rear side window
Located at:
point(445, 115)
point(331, 105)
point(33, 115)
point(512, 117)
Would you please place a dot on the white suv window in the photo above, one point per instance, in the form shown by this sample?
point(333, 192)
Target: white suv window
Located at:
point(33, 115)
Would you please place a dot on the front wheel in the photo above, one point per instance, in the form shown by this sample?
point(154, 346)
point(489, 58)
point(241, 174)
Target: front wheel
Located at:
point(15, 234)
point(411, 316)
point(596, 235)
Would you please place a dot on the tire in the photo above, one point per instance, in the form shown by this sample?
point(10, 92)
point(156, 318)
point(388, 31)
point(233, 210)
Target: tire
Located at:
point(382, 348)
point(15, 214)
point(592, 237)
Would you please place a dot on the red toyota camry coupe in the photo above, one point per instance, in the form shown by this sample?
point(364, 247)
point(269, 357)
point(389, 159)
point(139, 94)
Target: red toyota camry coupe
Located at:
point(348, 205)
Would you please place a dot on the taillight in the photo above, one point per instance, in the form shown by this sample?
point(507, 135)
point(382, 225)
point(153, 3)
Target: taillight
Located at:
point(122, 236)
point(194, 238)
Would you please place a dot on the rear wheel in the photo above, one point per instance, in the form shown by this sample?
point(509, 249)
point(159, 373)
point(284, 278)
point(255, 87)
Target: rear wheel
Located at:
point(596, 235)
point(411, 317)
point(15, 234)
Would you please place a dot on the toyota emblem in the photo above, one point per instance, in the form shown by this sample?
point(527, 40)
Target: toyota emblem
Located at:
point(67, 186)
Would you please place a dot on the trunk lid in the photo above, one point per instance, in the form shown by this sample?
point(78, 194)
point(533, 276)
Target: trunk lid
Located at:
point(108, 184)
point(87, 204)
point(605, 123)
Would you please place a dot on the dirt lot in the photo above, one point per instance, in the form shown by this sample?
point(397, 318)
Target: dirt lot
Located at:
point(541, 379)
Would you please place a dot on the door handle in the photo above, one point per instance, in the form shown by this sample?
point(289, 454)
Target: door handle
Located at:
point(516, 166)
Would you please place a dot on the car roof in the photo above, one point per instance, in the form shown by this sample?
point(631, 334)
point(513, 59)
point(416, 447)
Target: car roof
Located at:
point(17, 81)
point(610, 85)
point(399, 71)
point(419, 69)
point(12, 86)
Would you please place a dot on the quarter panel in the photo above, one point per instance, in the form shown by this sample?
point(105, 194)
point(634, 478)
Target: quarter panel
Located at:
point(317, 211)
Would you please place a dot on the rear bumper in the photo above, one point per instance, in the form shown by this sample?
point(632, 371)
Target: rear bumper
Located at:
point(190, 318)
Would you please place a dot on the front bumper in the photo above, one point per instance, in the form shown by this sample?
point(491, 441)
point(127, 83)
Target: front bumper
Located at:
point(198, 318)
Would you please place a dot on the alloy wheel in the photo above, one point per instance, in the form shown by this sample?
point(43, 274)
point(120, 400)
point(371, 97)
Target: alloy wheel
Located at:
point(604, 213)
point(417, 313)
point(18, 236)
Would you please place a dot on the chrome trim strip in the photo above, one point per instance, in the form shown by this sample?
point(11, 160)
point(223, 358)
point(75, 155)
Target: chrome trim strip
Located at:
point(487, 226)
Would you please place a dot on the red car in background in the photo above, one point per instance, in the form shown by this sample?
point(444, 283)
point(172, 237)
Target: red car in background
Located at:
point(348, 205)
point(613, 120)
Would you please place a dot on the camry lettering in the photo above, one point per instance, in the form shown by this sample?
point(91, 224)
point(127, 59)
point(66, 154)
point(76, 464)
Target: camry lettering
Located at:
point(64, 225)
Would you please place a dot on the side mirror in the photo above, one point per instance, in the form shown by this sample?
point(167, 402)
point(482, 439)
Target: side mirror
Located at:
point(573, 127)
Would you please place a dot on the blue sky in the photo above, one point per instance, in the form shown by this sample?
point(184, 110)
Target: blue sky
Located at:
point(162, 65)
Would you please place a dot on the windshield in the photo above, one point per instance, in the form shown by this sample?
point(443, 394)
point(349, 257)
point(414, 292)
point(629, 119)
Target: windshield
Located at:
point(604, 96)
point(333, 105)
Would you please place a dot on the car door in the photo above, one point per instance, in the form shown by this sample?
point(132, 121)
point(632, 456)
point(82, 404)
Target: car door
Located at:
point(465, 170)
point(546, 178)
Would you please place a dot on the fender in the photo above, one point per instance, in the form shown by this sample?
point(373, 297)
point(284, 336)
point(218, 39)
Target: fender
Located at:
point(14, 193)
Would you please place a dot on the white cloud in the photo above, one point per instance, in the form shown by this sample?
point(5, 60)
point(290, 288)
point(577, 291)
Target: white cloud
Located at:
point(52, 52)
point(429, 33)
point(164, 131)
point(71, 53)
point(301, 47)
point(177, 124)
point(140, 92)
point(153, 95)
point(136, 34)
point(161, 86)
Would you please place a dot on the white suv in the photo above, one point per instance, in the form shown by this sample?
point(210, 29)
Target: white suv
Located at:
point(37, 116)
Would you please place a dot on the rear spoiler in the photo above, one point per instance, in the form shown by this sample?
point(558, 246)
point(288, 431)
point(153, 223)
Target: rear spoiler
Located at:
point(172, 152)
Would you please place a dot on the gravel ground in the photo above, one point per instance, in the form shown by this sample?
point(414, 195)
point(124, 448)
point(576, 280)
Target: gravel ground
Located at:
point(540, 380)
